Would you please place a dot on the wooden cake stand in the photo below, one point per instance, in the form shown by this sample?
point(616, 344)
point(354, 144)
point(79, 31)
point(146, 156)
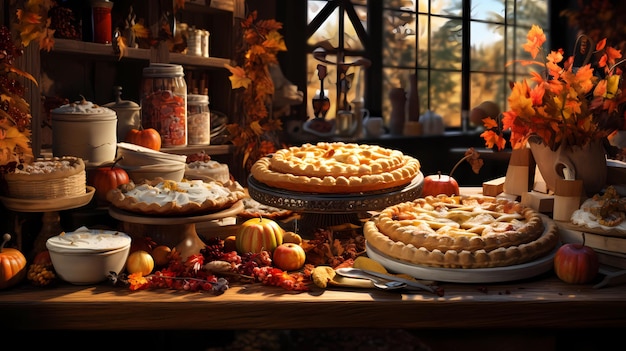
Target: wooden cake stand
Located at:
point(51, 221)
point(175, 231)
point(322, 210)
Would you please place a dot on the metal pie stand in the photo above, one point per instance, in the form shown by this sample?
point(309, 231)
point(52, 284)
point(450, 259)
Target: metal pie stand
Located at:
point(51, 220)
point(322, 210)
point(173, 231)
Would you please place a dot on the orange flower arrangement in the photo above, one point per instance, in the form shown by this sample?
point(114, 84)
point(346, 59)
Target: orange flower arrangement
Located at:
point(566, 104)
point(254, 136)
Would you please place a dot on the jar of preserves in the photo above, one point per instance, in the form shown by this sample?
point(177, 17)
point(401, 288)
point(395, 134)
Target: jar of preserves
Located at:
point(164, 103)
point(198, 120)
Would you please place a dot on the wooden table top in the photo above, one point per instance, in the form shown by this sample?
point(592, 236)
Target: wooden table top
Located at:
point(540, 302)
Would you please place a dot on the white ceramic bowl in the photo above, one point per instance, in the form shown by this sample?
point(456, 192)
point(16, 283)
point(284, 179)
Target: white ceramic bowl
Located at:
point(170, 172)
point(136, 155)
point(87, 256)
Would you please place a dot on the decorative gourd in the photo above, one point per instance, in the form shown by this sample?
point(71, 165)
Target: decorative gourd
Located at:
point(140, 262)
point(107, 178)
point(432, 123)
point(259, 234)
point(148, 137)
point(12, 264)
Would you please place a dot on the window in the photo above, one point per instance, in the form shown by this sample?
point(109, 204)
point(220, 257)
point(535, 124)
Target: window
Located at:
point(459, 50)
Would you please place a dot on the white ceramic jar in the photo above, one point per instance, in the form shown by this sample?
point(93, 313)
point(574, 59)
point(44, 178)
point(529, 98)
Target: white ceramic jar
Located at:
point(85, 130)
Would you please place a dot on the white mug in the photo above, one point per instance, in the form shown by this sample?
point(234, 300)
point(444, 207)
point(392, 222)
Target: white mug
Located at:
point(374, 126)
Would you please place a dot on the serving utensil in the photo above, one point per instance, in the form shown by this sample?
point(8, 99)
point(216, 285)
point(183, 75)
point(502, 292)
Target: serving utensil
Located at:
point(376, 277)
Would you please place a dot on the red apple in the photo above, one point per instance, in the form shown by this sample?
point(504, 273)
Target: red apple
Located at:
point(289, 257)
point(576, 263)
point(439, 184)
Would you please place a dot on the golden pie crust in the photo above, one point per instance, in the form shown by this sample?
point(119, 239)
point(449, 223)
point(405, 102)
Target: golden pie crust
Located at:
point(336, 168)
point(461, 232)
point(255, 209)
point(171, 198)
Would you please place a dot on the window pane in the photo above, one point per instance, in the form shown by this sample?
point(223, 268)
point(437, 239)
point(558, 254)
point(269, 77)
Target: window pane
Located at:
point(445, 92)
point(399, 39)
point(328, 31)
point(423, 41)
point(488, 10)
point(399, 4)
point(529, 12)
point(446, 43)
point(314, 8)
point(488, 87)
point(487, 47)
point(445, 7)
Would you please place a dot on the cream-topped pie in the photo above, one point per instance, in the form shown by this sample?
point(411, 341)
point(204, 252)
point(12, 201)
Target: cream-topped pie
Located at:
point(168, 197)
point(336, 168)
point(461, 232)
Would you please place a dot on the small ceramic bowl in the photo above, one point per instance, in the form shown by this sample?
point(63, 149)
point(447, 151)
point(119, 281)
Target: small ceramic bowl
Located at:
point(88, 256)
point(136, 155)
point(170, 172)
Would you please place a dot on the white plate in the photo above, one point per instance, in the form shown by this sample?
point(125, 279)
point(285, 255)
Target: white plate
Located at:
point(465, 275)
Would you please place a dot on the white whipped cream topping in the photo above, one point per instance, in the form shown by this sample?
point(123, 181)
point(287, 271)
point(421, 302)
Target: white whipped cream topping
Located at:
point(181, 194)
point(83, 107)
point(88, 239)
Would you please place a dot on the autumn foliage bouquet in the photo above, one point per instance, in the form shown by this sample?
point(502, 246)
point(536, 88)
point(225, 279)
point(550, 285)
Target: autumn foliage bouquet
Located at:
point(254, 136)
point(566, 102)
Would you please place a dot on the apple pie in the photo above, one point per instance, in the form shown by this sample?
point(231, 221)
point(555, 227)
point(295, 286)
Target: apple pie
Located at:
point(461, 232)
point(336, 168)
point(168, 197)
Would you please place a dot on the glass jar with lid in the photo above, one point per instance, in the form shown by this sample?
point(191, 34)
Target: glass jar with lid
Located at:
point(164, 103)
point(198, 120)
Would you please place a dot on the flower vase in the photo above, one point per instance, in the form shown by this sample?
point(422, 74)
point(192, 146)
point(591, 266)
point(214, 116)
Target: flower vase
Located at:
point(586, 163)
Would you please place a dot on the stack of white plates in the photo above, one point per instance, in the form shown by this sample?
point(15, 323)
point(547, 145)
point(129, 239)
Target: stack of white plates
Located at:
point(144, 163)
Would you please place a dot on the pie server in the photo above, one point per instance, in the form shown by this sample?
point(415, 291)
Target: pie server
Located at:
point(366, 274)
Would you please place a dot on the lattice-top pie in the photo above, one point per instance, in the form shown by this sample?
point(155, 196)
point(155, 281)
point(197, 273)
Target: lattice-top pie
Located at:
point(336, 168)
point(168, 197)
point(461, 232)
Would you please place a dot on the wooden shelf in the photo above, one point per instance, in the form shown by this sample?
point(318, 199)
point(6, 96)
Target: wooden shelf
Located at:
point(106, 51)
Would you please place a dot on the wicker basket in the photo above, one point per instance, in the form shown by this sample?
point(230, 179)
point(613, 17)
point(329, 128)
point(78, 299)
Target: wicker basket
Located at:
point(59, 184)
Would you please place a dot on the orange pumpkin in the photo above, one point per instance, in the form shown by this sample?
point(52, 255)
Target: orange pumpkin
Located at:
point(148, 137)
point(107, 178)
point(12, 265)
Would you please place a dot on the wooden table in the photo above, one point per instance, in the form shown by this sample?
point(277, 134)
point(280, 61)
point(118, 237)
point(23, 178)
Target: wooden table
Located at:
point(541, 302)
point(534, 313)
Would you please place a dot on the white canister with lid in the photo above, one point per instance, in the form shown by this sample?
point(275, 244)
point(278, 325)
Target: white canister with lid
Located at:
point(128, 114)
point(85, 130)
point(164, 103)
point(198, 120)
